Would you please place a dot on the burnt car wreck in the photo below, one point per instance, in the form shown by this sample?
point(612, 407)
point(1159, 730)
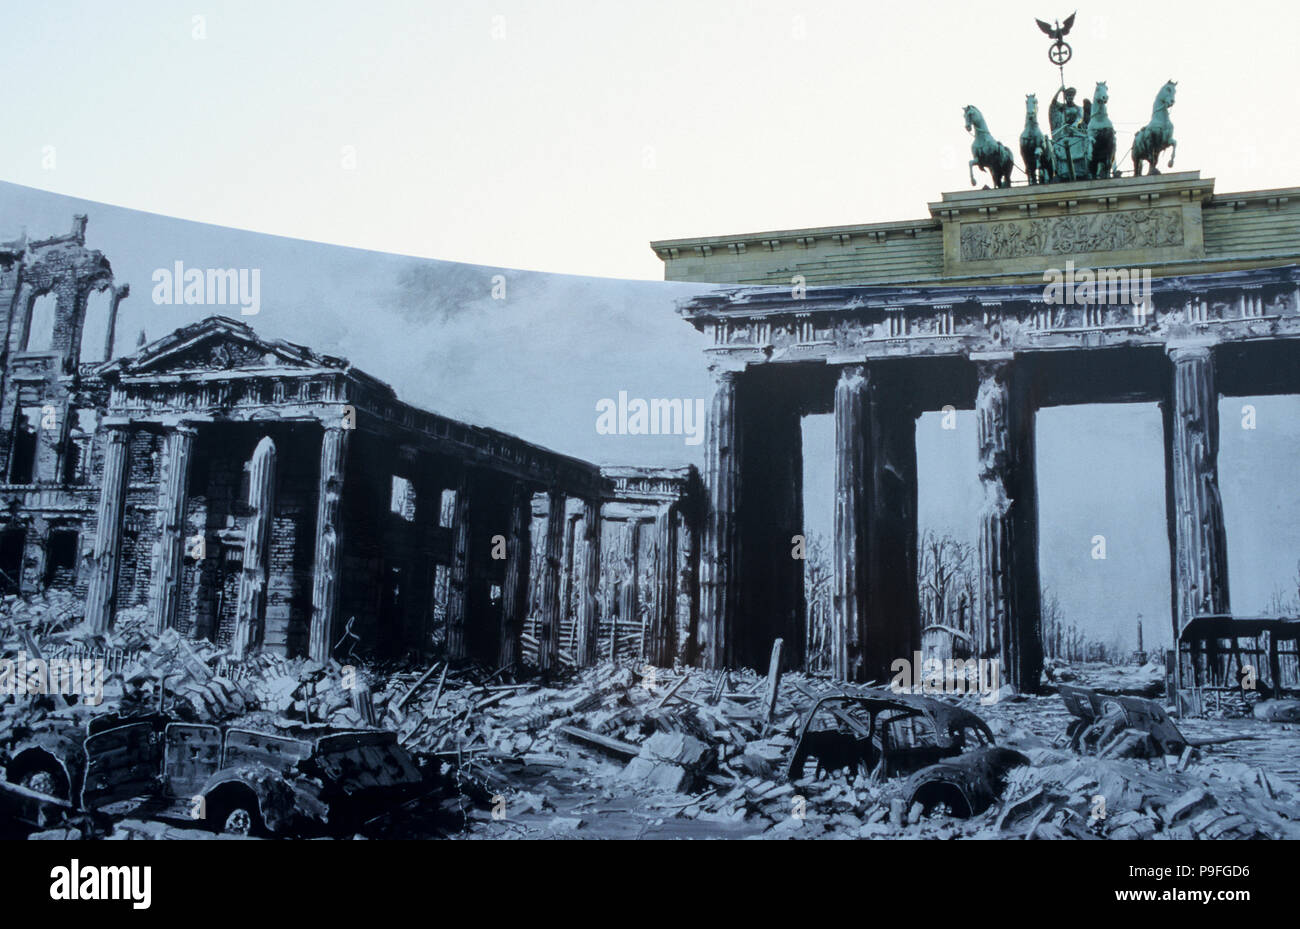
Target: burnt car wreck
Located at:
point(948, 752)
point(245, 782)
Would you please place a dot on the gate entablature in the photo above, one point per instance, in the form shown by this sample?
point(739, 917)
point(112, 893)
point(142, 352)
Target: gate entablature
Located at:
point(762, 325)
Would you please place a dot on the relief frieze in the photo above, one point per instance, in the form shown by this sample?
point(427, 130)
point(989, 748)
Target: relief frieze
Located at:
point(1072, 234)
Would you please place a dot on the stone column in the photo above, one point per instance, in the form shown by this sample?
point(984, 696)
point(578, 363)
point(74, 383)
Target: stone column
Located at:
point(458, 577)
point(514, 591)
point(629, 607)
point(720, 557)
point(250, 616)
point(165, 595)
point(419, 604)
point(588, 604)
point(659, 647)
point(852, 468)
point(568, 569)
point(108, 529)
point(1008, 541)
point(548, 624)
point(687, 613)
point(1199, 554)
point(325, 570)
point(110, 336)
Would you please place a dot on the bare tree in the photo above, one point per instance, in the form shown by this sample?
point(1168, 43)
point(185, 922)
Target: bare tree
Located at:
point(819, 591)
point(945, 581)
point(1054, 632)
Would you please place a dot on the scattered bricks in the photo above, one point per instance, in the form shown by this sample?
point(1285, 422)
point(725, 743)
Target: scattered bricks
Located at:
point(787, 826)
point(676, 749)
point(59, 835)
point(656, 775)
point(668, 761)
point(1220, 828)
point(1019, 812)
point(1131, 824)
point(781, 790)
point(1190, 804)
point(1198, 824)
point(1130, 743)
point(897, 808)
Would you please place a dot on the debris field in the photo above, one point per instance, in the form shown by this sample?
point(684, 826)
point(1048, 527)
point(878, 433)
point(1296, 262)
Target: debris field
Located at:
point(632, 751)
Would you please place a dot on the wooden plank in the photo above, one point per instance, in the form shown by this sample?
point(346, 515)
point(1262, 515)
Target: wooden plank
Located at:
point(672, 690)
point(613, 746)
point(420, 683)
point(773, 681)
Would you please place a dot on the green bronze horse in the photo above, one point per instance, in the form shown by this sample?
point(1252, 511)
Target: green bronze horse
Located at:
point(990, 154)
point(1034, 150)
point(1101, 136)
point(1157, 135)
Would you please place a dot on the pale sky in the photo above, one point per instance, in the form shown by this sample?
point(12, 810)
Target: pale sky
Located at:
point(563, 137)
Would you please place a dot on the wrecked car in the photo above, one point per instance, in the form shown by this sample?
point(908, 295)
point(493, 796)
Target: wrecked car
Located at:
point(948, 751)
point(1101, 721)
point(1111, 725)
point(47, 758)
point(245, 782)
point(43, 768)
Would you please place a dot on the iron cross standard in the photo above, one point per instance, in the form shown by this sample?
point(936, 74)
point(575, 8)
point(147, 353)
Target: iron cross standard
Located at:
point(1059, 52)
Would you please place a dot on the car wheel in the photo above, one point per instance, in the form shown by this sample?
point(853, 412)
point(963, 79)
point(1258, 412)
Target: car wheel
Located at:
point(943, 798)
point(235, 812)
point(45, 777)
point(41, 782)
point(239, 821)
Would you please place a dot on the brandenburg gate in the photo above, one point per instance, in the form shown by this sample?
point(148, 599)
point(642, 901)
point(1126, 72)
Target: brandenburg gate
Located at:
point(878, 323)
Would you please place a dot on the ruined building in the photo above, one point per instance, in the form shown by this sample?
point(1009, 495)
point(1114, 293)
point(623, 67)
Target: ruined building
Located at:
point(262, 495)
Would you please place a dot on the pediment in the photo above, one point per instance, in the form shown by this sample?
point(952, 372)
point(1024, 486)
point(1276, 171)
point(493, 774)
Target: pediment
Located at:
point(218, 344)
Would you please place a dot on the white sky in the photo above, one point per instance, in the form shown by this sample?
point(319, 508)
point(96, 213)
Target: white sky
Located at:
point(591, 128)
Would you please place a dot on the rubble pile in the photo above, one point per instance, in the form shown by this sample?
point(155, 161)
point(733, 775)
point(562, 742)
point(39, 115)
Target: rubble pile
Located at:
point(192, 679)
point(696, 748)
point(628, 750)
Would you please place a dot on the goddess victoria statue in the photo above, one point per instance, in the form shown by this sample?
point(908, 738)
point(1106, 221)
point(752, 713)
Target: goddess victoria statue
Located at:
point(1070, 143)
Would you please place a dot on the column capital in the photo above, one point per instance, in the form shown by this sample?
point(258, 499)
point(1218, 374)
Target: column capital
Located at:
point(179, 424)
point(853, 375)
point(1189, 350)
point(726, 373)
